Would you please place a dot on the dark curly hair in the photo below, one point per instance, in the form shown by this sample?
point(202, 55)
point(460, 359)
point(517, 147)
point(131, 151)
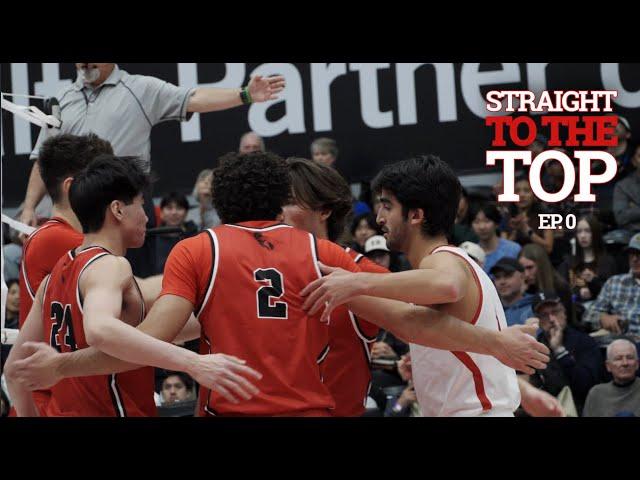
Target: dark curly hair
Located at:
point(424, 182)
point(252, 186)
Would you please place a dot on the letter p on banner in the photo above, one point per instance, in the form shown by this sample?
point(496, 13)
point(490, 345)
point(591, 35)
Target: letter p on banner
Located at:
point(586, 178)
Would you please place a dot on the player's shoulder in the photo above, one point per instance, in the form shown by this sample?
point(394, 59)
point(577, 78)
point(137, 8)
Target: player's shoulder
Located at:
point(195, 245)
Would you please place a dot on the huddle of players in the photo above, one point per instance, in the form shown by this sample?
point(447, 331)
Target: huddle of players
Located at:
point(263, 350)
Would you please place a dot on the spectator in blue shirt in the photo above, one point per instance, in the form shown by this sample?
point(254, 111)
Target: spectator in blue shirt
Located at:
point(508, 276)
point(485, 219)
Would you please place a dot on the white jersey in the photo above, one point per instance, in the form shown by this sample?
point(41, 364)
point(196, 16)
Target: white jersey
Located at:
point(461, 384)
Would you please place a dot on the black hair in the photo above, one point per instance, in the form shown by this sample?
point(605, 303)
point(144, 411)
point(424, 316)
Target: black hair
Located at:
point(253, 186)
point(424, 182)
point(186, 379)
point(65, 155)
point(174, 197)
point(12, 281)
point(489, 209)
point(106, 178)
point(371, 221)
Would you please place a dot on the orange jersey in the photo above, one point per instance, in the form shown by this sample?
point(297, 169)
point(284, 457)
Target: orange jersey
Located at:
point(117, 395)
point(244, 281)
point(347, 369)
point(40, 252)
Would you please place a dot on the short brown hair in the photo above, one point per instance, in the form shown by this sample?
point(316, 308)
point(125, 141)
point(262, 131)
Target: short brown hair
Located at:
point(327, 144)
point(318, 187)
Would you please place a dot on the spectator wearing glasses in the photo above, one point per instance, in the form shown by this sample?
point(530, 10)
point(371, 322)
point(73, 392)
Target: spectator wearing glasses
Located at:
point(576, 360)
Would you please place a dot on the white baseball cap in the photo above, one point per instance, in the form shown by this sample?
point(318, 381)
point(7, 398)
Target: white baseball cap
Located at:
point(377, 242)
point(474, 250)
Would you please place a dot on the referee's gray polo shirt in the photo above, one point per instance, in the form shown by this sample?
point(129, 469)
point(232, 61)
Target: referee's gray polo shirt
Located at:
point(122, 110)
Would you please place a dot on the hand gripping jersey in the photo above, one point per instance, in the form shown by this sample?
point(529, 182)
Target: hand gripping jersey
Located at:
point(466, 384)
point(40, 252)
point(127, 394)
point(244, 281)
point(347, 369)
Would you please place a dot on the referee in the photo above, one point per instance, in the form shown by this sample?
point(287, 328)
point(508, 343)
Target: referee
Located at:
point(122, 109)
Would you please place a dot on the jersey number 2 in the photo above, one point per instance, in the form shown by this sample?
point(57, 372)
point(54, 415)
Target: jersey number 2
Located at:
point(61, 316)
point(272, 289)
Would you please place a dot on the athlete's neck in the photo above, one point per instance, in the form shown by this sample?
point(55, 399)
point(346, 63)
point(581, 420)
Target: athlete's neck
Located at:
point(109, 240)
point(66, 213)
point(421, 247)
point(489, 245)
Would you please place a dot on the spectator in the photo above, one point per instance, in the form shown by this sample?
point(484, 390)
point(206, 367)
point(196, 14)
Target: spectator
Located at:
point(575, 356)
point(626, 198)
point(618, 305)
point(177, 387)
point(12, 313)
point(623, 152)
point(124, 109)
point(11, 252)
point(622, 394)
point(406, 403)
point(509, 280)
point(386, 348)
point(591, 265)
point(539, 275)
point(376, 250)
point(363, 227)
point(485, 221)
point(324, 150)
point(201, 210)
point(462, 231)
point(475, 251)
point(524, 225)
point(173, 213)
point(251, 142)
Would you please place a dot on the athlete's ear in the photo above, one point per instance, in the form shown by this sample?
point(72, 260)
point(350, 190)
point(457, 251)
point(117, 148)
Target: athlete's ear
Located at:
point(325, 214)
point(416, 216)
point(116, 209)
point(66, 185)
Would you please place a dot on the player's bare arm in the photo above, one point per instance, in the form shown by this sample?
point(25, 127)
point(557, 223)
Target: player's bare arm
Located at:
point(515, 346)
point(32, 331)
point(440, 279)
point(102, 285)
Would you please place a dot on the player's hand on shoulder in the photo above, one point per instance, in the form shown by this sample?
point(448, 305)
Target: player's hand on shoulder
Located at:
point(226, 375)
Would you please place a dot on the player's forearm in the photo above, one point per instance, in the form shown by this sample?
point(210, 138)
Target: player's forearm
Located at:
point(35, 189)
point(127, 343)
point(425, 326)
point(212, 99)
point(90, 361)
point(191, 331)
point(421, 286)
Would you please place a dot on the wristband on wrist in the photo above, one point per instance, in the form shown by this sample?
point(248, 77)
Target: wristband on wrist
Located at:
point(245, 96)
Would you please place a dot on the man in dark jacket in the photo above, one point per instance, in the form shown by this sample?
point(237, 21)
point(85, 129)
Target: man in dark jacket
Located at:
point(508, 276)
point(576, 360)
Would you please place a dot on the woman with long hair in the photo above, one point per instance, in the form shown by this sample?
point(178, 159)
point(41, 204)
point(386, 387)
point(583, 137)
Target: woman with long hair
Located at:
point(539, 275)
point(590, 266)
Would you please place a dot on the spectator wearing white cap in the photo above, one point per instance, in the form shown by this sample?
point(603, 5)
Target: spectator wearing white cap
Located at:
point(376, 250)
point(475, 251)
